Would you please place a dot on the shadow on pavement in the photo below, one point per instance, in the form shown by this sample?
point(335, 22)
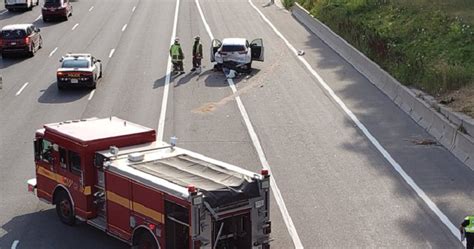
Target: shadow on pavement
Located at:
point(43, 230)
point(52, 95)
point(434, 169)
point(11, 60)
point(41, 24)
point(10, 14)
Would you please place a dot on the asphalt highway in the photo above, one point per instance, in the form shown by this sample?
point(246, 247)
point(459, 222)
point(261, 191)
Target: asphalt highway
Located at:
point(335, 187)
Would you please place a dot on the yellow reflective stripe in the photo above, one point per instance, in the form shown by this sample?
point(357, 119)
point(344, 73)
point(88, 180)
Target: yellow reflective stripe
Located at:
point(87, 190)
point(137, 207)
point(122, 201)
point(46, 173)
point(61, 179)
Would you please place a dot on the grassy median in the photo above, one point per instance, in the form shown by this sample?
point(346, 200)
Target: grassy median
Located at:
point(426, 44)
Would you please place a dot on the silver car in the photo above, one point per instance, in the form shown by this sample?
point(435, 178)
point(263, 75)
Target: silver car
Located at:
point(20, 4)
point(236, 52)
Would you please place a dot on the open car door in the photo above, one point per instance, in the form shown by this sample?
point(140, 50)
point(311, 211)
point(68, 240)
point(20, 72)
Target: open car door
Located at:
point(215, 45)
point(257, 49)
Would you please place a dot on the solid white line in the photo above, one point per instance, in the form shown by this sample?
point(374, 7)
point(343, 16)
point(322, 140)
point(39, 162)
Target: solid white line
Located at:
point(15, 244)
point(133, 9)
point(111, 52)
point(39, 17)
point(164, 103)
point(124, 27)
point(75, 26)
point(22, 88)
point(261, 155)
point(366, 132)
point(92, 94)
point(91, 8)
point(54, 51)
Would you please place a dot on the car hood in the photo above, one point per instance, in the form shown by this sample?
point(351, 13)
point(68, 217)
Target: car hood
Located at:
point(235, 57)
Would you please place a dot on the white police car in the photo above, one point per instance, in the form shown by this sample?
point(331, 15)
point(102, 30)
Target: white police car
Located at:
point(78, 70)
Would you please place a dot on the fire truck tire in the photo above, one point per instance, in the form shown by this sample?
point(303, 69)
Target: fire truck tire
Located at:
point(64, 208)
point(145, 240)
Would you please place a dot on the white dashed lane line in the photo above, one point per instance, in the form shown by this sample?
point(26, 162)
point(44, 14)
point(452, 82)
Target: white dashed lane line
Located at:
point(54, 51)
point(91, 8)
point(39, 17)
point(111, 52)
point(75, 26)
point(124, 27)
point(92, 94)
point(22, 88)
point(15, 244)
point(133, 9)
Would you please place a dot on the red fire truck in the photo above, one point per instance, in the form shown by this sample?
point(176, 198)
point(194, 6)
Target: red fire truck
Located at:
point(115, 176)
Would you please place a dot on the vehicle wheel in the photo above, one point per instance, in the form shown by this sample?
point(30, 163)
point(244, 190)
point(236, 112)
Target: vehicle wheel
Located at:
point(146, 241)
point(100, 74)
point(45, 19)
point(32, 50)
point(60, 87)
point(248, 67)
point(40, 43)
point(64, 208)
point(66, 17)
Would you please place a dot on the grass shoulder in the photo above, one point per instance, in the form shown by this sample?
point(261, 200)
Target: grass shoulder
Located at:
point(424, 44)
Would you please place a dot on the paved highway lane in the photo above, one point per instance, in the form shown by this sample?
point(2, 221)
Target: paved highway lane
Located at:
point(205, 117)
point(40, 103)
point(341, 176)
point(132, 88)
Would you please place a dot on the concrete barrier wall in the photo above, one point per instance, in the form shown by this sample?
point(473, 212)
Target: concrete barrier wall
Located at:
point(444, 124)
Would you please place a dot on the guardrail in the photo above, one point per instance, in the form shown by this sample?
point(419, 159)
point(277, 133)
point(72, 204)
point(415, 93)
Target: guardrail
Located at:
point(454, 131)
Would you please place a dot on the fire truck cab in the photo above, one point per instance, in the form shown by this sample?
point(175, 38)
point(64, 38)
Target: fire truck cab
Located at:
point(115, 176)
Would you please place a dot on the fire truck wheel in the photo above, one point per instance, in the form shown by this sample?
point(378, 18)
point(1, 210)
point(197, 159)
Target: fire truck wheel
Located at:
point(64, 208)
point(145, 241)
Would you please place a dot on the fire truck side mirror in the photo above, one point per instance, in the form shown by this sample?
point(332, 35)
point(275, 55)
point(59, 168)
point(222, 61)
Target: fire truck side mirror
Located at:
point(37, 147)
point(99, 161)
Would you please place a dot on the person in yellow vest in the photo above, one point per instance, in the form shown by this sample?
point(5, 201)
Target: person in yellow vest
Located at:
point(177, 56)
point(197, 53)
point(467, 231)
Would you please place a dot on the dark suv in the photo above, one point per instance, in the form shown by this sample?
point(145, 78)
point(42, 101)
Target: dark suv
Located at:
point(20, 38)
point(56, 9)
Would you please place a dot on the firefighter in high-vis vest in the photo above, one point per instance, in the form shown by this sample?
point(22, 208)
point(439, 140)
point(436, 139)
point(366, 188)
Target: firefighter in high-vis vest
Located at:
point(177, 56)
point(197, 53)
point(467, 231)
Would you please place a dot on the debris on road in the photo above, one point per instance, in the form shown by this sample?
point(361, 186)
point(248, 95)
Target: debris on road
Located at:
point(424, 141)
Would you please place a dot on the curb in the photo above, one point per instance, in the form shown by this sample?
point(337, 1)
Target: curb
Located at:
point(452, 130)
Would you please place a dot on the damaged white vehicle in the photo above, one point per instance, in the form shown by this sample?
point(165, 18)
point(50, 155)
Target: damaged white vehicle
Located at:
point(236, 53)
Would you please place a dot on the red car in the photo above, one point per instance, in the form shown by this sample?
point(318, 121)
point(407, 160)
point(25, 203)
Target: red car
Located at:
point(56, 9)
point(20, 38)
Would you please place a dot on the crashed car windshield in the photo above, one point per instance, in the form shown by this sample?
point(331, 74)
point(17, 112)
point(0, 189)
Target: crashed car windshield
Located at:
point(75, 64)
point(232, 48)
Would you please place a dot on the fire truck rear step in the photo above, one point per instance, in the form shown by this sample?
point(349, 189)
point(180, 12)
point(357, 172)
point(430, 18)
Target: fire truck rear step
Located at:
point(99, 223)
